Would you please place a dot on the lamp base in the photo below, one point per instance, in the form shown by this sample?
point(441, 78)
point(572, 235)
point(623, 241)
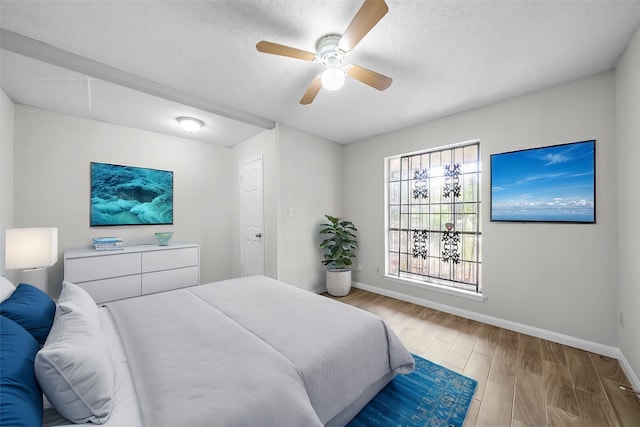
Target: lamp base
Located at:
point(36, 277)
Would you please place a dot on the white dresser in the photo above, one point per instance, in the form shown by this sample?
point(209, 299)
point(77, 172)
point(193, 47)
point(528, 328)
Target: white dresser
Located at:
point(133, 271)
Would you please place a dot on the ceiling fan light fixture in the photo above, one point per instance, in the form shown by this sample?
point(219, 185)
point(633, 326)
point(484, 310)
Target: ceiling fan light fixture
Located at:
point(333, 78)
point(190, 124)
point(331, 50)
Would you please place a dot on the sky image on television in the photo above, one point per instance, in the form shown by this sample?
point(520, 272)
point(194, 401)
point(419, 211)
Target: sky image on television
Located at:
point(127, 195)
point(548, 184)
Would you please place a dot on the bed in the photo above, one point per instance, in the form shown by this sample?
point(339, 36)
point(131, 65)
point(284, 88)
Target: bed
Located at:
point(241, 352)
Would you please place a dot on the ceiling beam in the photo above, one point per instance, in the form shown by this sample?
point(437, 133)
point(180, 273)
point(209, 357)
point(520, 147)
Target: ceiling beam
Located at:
point(32, 48)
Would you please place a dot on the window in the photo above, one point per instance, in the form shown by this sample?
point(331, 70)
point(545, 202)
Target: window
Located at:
point(433, 217)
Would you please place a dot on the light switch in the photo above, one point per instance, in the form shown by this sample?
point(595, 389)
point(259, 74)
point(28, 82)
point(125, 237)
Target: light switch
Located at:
point(290, 211)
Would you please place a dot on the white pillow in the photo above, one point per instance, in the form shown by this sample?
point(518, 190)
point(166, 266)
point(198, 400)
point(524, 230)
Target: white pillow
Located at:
point(74, 368)
point(79, 298)
point(6, 288)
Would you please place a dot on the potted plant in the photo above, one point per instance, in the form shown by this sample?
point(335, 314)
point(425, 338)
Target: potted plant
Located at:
point(339, 243)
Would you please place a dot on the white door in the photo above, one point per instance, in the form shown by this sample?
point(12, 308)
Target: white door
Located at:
point(251, 206)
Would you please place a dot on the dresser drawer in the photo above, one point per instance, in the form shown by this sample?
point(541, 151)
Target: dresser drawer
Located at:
point(78, 270)
point(134, 271)
point(159, 281)
point(113, 289)
point(169, 259)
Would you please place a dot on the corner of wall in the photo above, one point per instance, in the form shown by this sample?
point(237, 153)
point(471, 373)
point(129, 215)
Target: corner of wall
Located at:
point(627, 91)
point(305, 196)
point(7, 113)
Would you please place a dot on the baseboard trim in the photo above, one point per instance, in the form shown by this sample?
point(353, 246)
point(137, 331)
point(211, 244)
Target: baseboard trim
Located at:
point(568, 340)
point(633, 378)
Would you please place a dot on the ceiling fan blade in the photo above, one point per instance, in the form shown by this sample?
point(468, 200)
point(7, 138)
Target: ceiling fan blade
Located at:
point(282, 50)
point(367, 17)
point(368, 77)
point(311, 93)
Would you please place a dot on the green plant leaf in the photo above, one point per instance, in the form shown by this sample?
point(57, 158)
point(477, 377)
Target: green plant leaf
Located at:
point(338, 242)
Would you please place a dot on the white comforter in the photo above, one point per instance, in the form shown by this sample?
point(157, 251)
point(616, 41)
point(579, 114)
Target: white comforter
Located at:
point(251, 351)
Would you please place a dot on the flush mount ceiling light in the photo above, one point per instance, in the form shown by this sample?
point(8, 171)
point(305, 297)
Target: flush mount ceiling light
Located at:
point(190, 124)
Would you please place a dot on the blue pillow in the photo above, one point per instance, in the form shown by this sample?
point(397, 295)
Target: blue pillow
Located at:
point(20, 394)
point(32, 309)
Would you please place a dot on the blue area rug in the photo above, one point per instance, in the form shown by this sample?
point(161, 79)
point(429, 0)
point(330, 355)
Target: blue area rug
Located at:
point(430, 396)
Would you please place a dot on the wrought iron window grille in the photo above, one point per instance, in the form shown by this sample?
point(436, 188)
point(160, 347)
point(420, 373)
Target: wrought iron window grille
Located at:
point(420, 238)
point(451, 181)
point(420, 187)
point(434, 217)
point(450, 239)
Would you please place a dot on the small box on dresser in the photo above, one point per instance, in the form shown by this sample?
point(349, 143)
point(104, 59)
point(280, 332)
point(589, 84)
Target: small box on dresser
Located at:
point(133, 271)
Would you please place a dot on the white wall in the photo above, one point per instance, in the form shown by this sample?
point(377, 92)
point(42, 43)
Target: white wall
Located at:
point(7, 112)
point(628, 136)
point(263, 145)
point(52, 154)
point(311, 185)
point(51, 188)
point(560, 278)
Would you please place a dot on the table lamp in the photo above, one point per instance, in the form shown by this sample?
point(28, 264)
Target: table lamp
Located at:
point(32, 250)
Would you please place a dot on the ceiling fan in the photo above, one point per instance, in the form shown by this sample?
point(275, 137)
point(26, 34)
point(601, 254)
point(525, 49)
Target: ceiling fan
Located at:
point(331, 50)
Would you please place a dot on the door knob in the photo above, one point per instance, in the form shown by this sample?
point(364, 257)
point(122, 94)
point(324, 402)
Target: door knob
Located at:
point(258, 234)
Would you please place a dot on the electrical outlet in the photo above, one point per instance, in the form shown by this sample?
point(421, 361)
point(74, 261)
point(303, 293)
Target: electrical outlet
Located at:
point(359, 267)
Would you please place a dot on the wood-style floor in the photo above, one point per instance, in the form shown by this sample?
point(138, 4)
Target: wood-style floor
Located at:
point(522, 380)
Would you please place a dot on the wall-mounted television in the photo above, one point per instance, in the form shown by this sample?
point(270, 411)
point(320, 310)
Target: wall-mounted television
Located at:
point(130, 195)
point(545, 184)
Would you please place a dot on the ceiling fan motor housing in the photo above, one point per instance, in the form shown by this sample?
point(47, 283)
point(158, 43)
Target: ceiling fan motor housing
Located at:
point(327, 48)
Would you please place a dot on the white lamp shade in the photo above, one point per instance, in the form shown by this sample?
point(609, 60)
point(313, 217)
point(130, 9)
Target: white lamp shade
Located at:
point(333, 78)
point(31, 247)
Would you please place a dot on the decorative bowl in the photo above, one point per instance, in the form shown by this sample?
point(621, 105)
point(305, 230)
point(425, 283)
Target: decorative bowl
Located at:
point(163, 238)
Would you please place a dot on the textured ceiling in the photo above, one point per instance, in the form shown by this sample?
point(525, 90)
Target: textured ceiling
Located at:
point(143, 63)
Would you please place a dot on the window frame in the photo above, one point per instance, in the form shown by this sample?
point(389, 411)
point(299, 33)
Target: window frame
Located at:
point(450, 287)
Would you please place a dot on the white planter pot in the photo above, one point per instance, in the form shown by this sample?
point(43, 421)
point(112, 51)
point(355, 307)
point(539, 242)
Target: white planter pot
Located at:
point(338, 282)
